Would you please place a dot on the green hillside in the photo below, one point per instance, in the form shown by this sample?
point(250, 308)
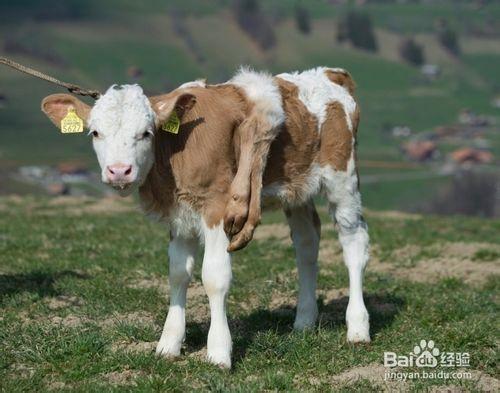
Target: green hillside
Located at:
point(95, 43)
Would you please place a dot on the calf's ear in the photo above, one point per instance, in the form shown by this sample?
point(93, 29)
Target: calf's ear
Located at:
point(56, 107)
point(164, 105)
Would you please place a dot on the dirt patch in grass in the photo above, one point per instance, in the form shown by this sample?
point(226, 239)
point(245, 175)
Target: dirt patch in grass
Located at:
point(135, 347)
point(23, 370)
point(83, 205)
point(279, 232)
point(200, 354)
point(71, 205)
point(55, 385)
point(455, 260)
point(330, 252)
point(435, 269)
point(122, 378)
point(133, 318)
point(392, 214)
point(69, 321)
point(151, 282)
point(63, 301)
point(447, 389)
point(330, 295)
point(406, 253)
point(197, 308)
point(471, 250)
point(373, 372)
point(484, 381)
point(283, 303)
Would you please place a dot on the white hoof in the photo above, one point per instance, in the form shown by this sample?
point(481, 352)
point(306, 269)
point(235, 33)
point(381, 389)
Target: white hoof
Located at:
point(358, 336)
point(221, 359)
point(168, 349)
point(358, 327)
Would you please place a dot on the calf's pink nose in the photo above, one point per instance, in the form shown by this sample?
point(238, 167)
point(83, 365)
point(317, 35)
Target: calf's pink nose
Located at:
point(119, 172)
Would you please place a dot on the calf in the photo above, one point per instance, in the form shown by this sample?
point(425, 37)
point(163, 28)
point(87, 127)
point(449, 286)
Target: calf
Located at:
point(299, 127)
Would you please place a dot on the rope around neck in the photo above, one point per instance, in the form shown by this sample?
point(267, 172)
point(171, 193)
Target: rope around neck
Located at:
point(75, 89)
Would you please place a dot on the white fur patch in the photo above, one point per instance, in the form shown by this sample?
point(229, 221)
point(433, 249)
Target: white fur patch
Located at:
point(196, 83)
point(122, 107)
point(185, 222)
point(262, 90)
point(316, 91)
point(310, 188)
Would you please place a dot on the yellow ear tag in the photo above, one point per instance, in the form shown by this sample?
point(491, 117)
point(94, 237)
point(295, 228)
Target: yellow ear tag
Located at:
point(173, 123)
point(71, 123)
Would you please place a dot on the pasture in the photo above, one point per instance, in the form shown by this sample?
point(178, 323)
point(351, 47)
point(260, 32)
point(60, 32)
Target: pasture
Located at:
point(83, 296)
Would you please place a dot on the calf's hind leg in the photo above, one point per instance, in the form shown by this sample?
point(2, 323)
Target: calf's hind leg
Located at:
point(181, 252)
point(345, 208)
point(305, 228)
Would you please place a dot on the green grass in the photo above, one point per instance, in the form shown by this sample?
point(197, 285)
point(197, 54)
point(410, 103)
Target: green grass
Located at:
point(89, 262)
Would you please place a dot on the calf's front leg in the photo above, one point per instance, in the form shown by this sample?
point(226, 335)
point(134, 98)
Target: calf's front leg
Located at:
point(216, 276)
point(181, 252)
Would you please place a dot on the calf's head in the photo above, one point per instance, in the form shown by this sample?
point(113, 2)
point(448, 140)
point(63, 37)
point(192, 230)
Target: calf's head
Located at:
point(122, 123)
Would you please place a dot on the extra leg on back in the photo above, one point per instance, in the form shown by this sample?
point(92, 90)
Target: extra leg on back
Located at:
point(243, 210)
point(345, 208)
point(182, 254)
point(305, 228)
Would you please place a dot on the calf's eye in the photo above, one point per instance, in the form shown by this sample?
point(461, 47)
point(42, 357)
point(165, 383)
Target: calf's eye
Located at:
point(146, 134)
point(95, 134)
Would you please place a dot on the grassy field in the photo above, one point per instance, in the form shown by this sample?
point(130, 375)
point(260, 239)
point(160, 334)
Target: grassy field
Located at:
point(84, 293)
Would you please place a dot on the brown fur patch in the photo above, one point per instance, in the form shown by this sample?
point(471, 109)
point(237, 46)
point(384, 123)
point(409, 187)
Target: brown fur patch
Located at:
point(196, 166)
point(336, 139)
point(56, 107)
point(296, 146)
point(343, 79)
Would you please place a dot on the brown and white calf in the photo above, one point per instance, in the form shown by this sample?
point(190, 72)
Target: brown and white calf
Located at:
point(300, 127)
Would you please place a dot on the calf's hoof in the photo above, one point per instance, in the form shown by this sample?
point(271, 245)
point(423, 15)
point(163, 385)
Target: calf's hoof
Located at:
point(358, 327)
point(236, 215)
point(358, 336)
point(241, 239)
point(306, 319)
point(168, 350)
point(220, 358)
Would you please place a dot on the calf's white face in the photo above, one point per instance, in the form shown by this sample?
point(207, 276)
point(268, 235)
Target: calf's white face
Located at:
point(122, 124)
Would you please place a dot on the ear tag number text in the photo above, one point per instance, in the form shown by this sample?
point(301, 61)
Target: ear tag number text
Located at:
point(173, 123)
point(71, 123)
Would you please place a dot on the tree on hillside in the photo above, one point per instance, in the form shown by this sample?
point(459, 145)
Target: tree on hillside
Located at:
point(357, 28)
point(448, 38)
point(302, 19)
point(412, 52)
point(360, 31)
point(252, 21)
